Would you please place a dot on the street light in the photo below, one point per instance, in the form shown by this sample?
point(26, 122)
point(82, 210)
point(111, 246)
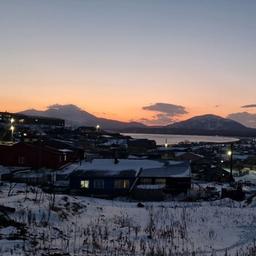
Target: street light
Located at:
point(97, 127)
point(166, 144)
point(229, 153)
point(12, 128)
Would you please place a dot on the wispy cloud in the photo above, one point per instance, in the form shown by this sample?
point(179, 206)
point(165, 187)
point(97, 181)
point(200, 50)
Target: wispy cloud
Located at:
point(245, 118)
point(166, 113)
point(249, 106)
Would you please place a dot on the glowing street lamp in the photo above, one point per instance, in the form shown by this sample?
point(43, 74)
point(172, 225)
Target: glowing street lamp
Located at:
point(12, 120)
point(97, 127)
point(12, 128)
point(166, 144)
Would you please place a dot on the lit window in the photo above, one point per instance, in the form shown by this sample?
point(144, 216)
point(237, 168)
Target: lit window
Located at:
point(146, 181)
point(160, 181)
point(122, 184)
point(84, 183)
point(98, 184)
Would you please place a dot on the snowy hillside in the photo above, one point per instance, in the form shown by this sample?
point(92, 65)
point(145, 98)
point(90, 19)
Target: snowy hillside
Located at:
point(66, 225)
point(208, 122)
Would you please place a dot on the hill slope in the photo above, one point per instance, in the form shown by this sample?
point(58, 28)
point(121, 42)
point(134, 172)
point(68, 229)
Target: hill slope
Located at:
point(201, 125)
point(208, 122)
point(77, 117)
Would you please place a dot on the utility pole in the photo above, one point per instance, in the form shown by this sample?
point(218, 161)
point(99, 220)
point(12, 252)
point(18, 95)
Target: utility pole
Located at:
point(230, 154)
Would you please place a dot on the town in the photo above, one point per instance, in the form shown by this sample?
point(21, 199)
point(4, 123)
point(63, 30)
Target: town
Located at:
point(50, 171)
point(127, 128)
point(44, 152)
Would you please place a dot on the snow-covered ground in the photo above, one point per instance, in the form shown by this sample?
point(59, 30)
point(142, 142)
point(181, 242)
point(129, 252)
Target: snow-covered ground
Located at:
point(88, 226)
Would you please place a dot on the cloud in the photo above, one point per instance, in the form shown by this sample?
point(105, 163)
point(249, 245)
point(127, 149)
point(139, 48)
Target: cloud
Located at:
point(69, 107)
point(245, 118)
point(165, 113)
point(249, 106)
point(166, 108)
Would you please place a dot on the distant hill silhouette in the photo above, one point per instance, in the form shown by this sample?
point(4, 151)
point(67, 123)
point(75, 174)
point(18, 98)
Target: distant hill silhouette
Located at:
point(198, 125)
point(201, 125)
point(208, 122)
point(75, 116)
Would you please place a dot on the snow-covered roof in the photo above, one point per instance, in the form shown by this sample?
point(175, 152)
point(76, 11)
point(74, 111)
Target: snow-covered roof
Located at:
point(8, 143)
point(64, 150)
point(179, 153)
point(123, 164)
point(137, 157)
point(181, 169)
point(131, 167)
point(115, 142)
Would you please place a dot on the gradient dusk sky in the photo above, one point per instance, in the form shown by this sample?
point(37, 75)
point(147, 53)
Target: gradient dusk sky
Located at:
point(129, 60)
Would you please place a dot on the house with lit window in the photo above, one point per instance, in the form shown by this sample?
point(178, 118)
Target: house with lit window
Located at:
point(112, 177)
point(174, 177)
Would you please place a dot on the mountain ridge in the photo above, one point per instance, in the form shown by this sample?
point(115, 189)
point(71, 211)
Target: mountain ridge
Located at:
point(76, 116)
point(208, 124)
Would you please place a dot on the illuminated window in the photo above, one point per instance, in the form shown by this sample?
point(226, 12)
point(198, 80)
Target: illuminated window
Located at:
point(98, 184)
point(146, 181)
point(122, 184)
point(84, 184)
point(160, 181)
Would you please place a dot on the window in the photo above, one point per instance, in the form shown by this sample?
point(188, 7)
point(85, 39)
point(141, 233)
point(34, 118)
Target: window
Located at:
point(21, 160)
point(160, 181)
point(98, 184)
point(122, 184)
point(84, 184)
point(65, 157)
point(146, 181)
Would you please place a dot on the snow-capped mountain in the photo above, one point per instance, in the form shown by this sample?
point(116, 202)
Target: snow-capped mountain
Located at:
point(208, 122)
point(76, 116)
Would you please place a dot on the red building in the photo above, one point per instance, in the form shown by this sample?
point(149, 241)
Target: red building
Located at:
point(35, 155)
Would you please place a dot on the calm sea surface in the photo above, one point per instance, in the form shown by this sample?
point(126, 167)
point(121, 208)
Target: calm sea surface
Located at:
point(160, 139)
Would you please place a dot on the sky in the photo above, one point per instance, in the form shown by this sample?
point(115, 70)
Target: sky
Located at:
point(151, 61)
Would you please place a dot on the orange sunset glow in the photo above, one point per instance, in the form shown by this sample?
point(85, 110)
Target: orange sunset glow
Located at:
point(114, 59)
